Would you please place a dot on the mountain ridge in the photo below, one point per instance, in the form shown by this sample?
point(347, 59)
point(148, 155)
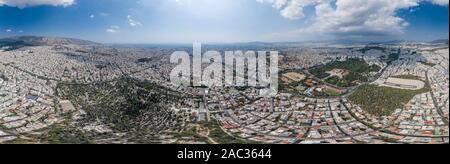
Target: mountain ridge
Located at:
point(43, 41)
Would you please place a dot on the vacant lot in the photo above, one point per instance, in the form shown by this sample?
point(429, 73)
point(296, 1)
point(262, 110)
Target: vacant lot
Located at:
point(293, 77)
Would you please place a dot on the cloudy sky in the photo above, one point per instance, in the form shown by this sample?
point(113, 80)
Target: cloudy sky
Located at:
point(186, 21)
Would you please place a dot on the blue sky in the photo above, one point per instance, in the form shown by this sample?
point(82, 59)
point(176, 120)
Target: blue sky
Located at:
point(186, 21)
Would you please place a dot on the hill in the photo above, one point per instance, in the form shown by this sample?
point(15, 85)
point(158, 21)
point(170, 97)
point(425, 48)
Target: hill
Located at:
point(24, 41)
point(443, 41)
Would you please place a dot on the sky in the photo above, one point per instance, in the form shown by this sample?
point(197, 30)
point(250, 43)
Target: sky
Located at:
point(226, 21)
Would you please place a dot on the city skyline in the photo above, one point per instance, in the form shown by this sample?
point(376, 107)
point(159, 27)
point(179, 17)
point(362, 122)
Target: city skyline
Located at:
point(224, 21)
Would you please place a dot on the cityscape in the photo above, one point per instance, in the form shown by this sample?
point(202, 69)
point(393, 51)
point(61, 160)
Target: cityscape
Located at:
point(361, 85)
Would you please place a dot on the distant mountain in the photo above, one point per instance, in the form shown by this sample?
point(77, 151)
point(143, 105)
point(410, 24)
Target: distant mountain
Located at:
point(41, 41)
point(391, 42)
point(443, 41)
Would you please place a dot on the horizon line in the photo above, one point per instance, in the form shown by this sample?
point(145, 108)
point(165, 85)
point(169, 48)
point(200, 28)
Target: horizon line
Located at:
point(353, 41)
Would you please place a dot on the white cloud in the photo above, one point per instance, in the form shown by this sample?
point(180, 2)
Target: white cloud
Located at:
point(349, 17)
point(28, 3)
point(440, 2)
point(362, 16)
point(8, 30)
point(290, 9)
point(132, 22)
point(113, 29)
point(92, 16)
point(103, 14)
